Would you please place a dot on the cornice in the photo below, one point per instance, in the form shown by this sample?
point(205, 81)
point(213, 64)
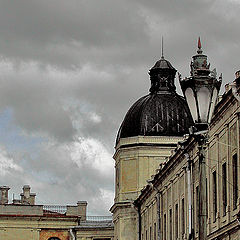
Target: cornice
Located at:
point(120, 205)
point(142, 141)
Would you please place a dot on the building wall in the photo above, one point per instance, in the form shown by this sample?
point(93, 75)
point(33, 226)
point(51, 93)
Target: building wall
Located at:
point(136, 160)
point(95, 234)
point(171, 183)
point(46, 234)
point(173, 192)
point(223, 148)
point(43, 228)
point(34, 228)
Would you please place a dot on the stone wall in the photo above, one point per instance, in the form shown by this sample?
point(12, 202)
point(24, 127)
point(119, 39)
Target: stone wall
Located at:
point(171, 183)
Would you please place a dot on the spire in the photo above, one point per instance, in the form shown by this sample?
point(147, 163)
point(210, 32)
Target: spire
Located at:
point(199, 43)
point(162, 57)
point(199, 51)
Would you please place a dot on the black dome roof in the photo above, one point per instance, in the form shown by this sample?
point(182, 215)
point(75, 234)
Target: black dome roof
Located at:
point(162, 112)
point(163, 64)
point(157, 115)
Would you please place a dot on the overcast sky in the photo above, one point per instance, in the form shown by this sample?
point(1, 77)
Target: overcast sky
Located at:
point(70, 70)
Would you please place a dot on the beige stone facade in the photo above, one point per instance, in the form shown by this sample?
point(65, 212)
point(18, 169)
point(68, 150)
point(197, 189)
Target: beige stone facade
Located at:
point(23, 220)
point(136, 160)
point(95, 230)
point(164, 210)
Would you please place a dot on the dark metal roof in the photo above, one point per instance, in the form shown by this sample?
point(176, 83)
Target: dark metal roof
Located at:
point(163, 64)
point(160, 114)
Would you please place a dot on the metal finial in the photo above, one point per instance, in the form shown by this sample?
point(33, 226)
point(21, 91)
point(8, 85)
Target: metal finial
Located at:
point(199, 43)
point(162, 48)
point(199, 51)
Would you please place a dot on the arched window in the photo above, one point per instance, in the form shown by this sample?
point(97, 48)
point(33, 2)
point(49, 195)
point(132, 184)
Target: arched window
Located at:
point(54, 238)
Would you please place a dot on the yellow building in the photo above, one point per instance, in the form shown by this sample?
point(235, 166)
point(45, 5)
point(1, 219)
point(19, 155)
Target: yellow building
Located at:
point(23, 220)
point(165, 207)
point(157, 166)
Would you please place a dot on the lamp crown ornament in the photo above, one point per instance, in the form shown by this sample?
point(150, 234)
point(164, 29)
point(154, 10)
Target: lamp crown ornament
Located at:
point(199, 64)
point(201, 88)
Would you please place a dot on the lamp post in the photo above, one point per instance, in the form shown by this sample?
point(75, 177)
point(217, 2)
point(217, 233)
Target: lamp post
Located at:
point(201, 91)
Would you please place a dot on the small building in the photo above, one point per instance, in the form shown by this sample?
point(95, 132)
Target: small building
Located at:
point(23, 219)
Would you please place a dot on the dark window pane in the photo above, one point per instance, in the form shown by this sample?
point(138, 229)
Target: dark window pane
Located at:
point(224, 188)
point(235, 181)
point(214, 196)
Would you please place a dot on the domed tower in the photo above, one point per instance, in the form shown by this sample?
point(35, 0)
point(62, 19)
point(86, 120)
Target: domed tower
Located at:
point(151, 128)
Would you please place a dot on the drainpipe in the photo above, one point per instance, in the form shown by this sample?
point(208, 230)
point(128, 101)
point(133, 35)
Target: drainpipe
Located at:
point(158, 215)
point(72, 234)
point(190, 229)
point(139, 222)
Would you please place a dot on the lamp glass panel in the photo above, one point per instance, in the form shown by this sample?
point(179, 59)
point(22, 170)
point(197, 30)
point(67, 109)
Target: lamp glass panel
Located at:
point(203, 96)
point(191, 101)
point(213, 103)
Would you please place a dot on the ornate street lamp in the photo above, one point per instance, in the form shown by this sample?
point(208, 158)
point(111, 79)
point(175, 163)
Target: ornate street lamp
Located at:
point(201, 91)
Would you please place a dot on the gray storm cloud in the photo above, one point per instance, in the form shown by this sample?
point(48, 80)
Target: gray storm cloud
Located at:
point(69, 71)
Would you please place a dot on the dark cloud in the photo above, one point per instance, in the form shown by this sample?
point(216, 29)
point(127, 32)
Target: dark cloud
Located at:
point(70, 70)
point(72, 33)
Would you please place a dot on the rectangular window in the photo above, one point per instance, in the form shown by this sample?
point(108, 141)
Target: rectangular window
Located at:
point(165, 227)
point(235, 181)
point(224, 188)
point(146, 235)
point(150, 233)
point(183, 217)
point(214, 196)
point(197, 207)
point(176, 221)
point(170, 224)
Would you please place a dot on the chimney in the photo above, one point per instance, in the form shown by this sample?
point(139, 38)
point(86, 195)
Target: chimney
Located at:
point(4, 194)
point(82, 209)
point(26, 191)
point(32, 198)
point(27, 197)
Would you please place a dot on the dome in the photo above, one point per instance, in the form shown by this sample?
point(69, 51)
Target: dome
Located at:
point(156, 115)
point(162, 112)
point(163, 64)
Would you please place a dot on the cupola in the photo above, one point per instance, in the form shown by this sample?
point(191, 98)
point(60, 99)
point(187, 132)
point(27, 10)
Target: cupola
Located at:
point(160, 113)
